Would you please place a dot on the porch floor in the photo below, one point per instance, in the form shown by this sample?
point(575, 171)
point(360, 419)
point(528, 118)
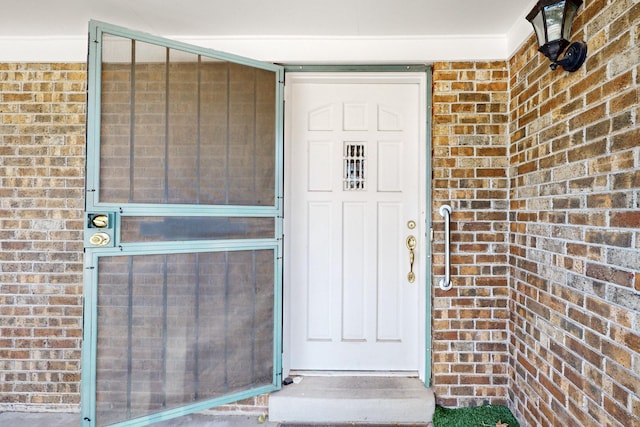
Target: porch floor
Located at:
point(51, 419)
point(321, 400)
point(56, 419)
point(357, 399)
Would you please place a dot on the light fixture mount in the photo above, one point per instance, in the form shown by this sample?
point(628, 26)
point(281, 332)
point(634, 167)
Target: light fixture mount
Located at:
point(573, 58)
point(552, 20)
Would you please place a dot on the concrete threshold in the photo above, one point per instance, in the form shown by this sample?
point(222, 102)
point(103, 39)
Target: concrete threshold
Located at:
point(353, 399)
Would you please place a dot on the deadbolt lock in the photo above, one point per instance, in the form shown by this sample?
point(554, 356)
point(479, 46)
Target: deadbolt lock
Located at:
point(100, 221)
point(99, 229)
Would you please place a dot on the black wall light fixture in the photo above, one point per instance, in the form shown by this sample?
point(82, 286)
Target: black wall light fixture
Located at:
point(552, 20)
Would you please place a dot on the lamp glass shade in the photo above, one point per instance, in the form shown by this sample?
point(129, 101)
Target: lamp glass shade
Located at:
point(538, 26)
point(569, 15)
point(553, 15)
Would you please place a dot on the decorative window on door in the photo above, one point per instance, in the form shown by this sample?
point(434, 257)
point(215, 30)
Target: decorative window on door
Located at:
point(354, 167)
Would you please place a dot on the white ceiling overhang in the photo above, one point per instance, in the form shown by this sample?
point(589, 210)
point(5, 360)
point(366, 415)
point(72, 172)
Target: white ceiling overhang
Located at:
point(285, 31)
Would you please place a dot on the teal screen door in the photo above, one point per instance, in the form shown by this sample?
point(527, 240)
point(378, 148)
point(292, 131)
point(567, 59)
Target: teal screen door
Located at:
point(183, 229)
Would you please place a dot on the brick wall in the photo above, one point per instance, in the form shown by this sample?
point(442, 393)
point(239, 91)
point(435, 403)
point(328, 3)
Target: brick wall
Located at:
point(42, 129)
point(540, 167)
point(470, 333)
point(575, 246)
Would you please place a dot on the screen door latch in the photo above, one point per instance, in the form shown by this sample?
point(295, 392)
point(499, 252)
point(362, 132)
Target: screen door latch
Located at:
point(99, 229)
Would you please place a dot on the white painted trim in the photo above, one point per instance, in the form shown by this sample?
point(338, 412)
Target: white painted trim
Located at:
point(43, 49)
point(360, 50)
point(520, 32)
point(303, 49)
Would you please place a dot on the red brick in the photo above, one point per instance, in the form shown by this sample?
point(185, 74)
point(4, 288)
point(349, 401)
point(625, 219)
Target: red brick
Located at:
point(616, 353)
point(626, 140)
point(610, 275)
point(630, 219)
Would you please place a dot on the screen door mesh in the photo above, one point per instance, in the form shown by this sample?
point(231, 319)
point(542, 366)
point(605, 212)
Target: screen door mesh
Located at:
point(181, 328)
point(181, 128)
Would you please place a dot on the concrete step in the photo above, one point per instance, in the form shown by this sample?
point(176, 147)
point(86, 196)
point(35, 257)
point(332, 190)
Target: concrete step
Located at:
point(353, 399)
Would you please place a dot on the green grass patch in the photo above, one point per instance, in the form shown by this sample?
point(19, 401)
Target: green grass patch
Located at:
point(479, 416)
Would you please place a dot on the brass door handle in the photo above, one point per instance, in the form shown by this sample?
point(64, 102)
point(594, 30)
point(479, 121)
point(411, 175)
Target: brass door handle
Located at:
point(411, 245)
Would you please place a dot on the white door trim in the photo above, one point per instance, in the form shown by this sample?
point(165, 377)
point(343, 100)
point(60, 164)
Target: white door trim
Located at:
point(371, 77)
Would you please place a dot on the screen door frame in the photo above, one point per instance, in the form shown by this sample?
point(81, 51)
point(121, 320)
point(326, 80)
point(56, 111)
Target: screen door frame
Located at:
point(116, 211)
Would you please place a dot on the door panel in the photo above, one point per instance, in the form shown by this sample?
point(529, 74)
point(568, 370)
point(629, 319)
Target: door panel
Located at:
point(183, 229)
point(389, 297)
point(354, 148)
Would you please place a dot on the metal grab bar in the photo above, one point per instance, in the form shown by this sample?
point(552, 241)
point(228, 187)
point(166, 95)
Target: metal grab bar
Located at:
point(445, 282)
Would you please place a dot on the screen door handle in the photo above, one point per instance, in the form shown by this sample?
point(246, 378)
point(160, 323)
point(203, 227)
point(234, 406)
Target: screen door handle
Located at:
point(445, 282)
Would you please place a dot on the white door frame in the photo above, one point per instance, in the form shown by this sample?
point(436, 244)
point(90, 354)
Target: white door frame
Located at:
point(423, 76)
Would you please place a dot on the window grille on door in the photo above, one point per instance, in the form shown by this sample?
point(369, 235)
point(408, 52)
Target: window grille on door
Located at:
point(354, 167)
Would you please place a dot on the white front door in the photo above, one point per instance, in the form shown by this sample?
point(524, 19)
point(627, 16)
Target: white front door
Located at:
point(353, 158)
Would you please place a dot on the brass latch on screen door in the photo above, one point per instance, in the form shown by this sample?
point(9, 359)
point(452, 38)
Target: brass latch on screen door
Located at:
point(411, 245)
point(99, 229)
